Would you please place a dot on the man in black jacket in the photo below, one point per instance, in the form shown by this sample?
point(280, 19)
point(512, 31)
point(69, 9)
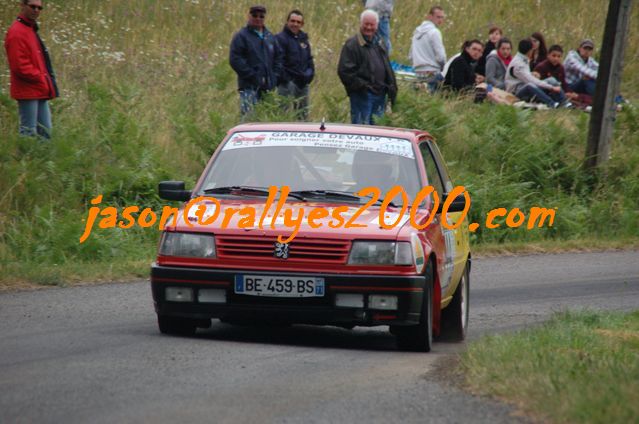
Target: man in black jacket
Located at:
point(461, 73)
point(256, 58)
point(298, 67)
point(365, 71)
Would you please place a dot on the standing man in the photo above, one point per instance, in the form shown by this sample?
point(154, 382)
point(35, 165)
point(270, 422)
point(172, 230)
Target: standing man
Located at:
point(427, 52)
point(256, 58)
point(384, 9)
point(32, 78)
point(581, 68)
point(298, 67)
point(366, 73)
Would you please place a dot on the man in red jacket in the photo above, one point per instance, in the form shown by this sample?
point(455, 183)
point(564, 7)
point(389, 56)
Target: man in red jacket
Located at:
point(32, 78)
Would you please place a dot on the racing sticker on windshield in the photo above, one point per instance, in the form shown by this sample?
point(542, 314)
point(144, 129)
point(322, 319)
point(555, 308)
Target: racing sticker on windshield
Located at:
point(388, 145)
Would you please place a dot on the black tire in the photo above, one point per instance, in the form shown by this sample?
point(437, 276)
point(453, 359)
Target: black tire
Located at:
point(176, 326)
point(419, 338)
point(455, 315)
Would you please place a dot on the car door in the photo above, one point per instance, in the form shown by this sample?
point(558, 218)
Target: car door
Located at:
point(456, 240)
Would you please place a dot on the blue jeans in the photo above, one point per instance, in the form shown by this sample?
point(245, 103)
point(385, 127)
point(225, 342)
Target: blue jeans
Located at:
point(300, 98)
point(366, 105)
point(433, 81)
point(35, 118)
point(530, 92)
point(383, 29)
point(584, 86)
point(248, 99)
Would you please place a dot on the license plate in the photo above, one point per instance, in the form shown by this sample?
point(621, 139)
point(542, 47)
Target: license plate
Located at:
point(279, 286)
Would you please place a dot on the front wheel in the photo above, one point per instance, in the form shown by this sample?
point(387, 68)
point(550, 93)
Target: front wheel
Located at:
point(419, 338)
point(455, 315)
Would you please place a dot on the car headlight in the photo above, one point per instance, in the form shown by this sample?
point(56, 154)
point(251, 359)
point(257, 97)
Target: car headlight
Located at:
point(380, 253)
point(188, 245)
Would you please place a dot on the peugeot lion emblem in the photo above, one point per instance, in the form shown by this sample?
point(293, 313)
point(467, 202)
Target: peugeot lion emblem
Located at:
point(281, 250)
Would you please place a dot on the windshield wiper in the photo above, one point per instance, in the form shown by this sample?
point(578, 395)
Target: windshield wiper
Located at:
point(338, 194)
point(328, 193)
point(246, 190)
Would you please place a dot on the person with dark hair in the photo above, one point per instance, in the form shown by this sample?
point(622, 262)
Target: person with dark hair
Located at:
point(461, 73)
point(366, 73)
point(524, 85)
point(539, 49)
point(494, 35)
point(298, 67)
point(497, 63)
point(33, 81)
point(581, 68)
point(256, 58)
point(552, 71)
point(427, 52)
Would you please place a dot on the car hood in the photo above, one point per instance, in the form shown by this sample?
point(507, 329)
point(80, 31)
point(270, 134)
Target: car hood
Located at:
point(352, 220)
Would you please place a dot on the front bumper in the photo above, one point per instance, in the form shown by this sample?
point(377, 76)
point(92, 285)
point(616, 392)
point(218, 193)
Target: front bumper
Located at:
point(313, 310)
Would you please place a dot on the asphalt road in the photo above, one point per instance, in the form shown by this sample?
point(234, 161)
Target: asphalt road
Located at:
point(93, 354)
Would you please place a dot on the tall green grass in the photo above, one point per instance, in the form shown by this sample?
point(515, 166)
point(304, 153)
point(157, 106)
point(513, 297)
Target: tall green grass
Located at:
point(578, 367)
point(147, 94)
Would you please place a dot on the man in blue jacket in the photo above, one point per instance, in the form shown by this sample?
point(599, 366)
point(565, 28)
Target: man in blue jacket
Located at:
point(298, 70)
point(256, 58)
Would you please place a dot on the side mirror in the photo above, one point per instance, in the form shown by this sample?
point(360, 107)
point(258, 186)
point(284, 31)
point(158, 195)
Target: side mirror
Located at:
point(173, 190)
point(457, 205)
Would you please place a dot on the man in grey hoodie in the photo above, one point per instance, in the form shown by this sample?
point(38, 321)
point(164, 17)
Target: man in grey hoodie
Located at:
point(523, 84)
point(427, 51)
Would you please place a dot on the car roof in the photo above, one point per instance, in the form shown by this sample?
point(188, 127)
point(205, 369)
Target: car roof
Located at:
point(410, 134)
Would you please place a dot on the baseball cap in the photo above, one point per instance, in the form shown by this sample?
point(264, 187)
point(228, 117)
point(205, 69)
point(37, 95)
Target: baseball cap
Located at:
point(257, 8)
point(587, 42)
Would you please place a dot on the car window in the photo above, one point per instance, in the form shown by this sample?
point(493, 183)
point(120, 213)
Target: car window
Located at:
point(443, 170)
point(432, 173)
point(308, 162)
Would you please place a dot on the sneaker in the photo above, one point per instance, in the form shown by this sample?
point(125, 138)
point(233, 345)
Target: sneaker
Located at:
point(555, 105)
point(568, 105)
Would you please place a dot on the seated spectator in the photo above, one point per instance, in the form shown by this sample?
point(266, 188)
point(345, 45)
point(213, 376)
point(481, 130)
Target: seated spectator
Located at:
point(524, 85)
point(497, 63)
point(581, 69)
point(539, 49)
point(552, 71)
point(461, 73)
point(494, 35)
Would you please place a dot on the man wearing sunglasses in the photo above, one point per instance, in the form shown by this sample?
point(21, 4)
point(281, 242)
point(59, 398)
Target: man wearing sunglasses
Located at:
point(32, 78)
point(256, 58)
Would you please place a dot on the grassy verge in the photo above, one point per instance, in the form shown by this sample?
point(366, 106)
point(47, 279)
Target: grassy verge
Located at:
point(579, 367)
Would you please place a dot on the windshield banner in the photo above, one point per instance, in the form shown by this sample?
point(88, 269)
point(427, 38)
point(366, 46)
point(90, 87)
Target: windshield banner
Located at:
point(387, 145)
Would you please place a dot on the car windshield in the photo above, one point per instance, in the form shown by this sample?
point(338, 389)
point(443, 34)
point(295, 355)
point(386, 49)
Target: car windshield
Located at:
point(315, 161)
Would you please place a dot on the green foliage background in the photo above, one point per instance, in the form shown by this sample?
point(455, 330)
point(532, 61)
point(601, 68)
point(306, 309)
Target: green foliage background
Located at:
point(147, 94)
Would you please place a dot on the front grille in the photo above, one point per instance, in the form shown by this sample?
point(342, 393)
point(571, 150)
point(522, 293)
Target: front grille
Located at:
point(300, 250)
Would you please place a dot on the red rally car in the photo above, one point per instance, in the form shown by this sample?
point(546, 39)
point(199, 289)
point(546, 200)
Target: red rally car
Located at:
point(283, 226)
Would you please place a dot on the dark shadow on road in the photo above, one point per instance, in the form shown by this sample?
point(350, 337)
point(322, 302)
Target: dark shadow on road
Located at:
point(361, 338)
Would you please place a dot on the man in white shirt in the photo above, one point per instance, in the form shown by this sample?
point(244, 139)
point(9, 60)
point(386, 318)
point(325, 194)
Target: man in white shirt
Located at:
point(427, 51)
